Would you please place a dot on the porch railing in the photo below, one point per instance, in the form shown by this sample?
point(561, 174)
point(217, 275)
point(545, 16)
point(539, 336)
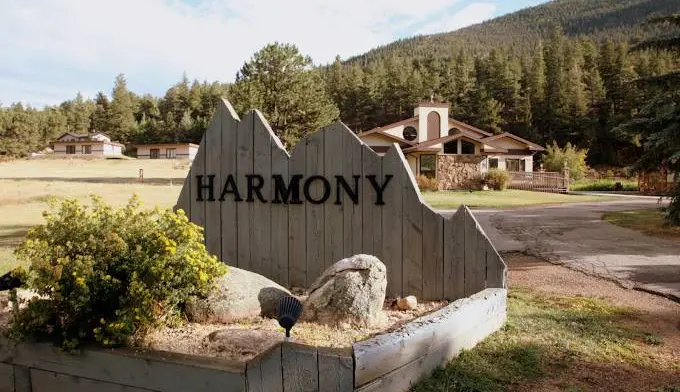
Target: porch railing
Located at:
point(552, 182)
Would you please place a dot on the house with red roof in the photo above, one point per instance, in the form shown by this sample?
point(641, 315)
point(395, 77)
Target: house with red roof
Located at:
point(451, 151)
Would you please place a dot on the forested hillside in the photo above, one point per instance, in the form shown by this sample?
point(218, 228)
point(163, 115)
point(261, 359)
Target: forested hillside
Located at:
point(562, 71)
point(619, 20)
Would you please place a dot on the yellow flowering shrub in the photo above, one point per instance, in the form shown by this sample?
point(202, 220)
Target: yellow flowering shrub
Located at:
point(106, 275)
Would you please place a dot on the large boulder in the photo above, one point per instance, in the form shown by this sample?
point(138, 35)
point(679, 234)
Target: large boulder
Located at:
point(240, 294)
point(350, 293)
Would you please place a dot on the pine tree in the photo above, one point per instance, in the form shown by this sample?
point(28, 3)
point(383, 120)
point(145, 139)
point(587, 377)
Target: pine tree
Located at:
point(99, 119)
point(121, 113)
point(554, 113)
point(278, 81)
point(658, 123)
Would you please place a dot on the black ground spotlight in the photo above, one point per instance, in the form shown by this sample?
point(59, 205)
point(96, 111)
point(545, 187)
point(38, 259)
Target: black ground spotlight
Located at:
point(290, 309)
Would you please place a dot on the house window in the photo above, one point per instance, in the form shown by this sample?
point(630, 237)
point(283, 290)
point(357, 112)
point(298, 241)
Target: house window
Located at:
point(493, 163)
point(410, 134)
point(428, 166)
point(451, 147)
point(87, 149)
point(516, 165)
point(170, 153)
point(70, 149)
point(454, 131)
point(467, 148)
point(154, 153)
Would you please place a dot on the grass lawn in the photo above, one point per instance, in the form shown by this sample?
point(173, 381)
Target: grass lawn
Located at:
point(26, 186)
point(547, 337)
point(508, 198)
point(649, 222)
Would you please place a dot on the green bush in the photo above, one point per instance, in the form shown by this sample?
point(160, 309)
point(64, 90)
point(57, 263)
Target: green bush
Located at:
point(497, 180)
point(570, 157)
point(108, 275)
point(603, 185)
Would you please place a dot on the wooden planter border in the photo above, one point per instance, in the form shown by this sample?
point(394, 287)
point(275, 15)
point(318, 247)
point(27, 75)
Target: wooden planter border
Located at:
point(387, 362)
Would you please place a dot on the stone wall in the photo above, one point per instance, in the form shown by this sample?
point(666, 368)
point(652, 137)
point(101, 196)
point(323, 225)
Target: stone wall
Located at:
point(457, 171)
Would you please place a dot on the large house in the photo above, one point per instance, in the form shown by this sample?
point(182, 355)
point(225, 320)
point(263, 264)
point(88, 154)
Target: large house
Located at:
point(90, 144)
point(451, 151)
point(167, 151)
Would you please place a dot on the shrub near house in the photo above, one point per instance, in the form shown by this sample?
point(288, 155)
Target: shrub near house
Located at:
point(106, 275)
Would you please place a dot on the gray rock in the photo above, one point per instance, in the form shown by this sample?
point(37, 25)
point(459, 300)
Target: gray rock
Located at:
point(240, 294)
point(350, 293)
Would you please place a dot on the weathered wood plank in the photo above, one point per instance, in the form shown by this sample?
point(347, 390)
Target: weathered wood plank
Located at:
point(213, 167)
point(279, 222)
point(54, 382)
point(300, 368)
point(145, 371)
point(198, 169)
point(228, 200)
point(254, 376)
point(433, 255)
point(313, 186)
point(480, 256)
point(392, 216)
point(475, 267)
point(336, 370)
point(22, 379)
point(333, 164)
point(496, 269)
point(353, 215)
point(459, 325)
point(6, 378)
point(272, 375)
point(454, 256)
point(244, 209)
point(297, 228)
point(371, 214)
point(412, 238)
point(260, 239)
point(184, 199)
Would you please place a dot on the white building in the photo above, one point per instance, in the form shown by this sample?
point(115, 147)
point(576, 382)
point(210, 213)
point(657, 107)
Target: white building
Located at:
point(91, 144)
point(167, 151)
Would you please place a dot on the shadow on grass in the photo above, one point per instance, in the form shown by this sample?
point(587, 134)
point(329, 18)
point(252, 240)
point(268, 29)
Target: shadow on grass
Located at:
point(13, 237)
point(564, 342)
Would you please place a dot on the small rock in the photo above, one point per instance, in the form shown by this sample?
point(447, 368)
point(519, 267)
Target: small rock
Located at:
point(351, 292)
point(408, 303)
point(240, 294)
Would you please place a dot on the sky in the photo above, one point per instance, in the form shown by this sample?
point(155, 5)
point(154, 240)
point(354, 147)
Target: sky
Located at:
point(52, 49)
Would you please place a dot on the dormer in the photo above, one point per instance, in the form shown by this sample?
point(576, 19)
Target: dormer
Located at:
point(433, 120)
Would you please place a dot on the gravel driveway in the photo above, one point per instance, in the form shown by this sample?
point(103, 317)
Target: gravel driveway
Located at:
point(575, 235)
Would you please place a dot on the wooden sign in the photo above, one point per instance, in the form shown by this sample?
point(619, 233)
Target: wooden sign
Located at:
point(289, 217)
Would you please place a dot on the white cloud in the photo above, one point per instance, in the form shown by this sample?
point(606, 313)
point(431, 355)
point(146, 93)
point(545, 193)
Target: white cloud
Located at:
point(471, 14)
point(80, 45)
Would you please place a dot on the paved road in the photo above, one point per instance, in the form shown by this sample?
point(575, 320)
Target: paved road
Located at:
point(576, 236)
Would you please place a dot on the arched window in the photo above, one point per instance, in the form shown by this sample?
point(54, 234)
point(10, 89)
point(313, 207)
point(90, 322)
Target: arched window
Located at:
point(467, 148)
point(410, 134)
point(433, 126)
point(454, 131)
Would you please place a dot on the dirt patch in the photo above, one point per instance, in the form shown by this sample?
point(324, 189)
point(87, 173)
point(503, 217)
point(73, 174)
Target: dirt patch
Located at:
point(255, 335)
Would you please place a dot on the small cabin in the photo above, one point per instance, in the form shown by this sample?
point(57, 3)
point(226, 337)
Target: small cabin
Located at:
point(167, 151)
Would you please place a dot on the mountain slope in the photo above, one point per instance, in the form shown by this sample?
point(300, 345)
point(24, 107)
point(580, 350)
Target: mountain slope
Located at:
point(519, 31)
